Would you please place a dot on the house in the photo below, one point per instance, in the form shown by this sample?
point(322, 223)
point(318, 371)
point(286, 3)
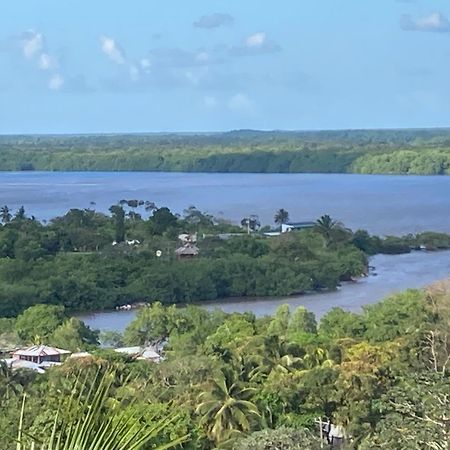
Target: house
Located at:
point(187, 251)
point(40, 354)
point(16, 364)
point(141, 353)
point(293, 226)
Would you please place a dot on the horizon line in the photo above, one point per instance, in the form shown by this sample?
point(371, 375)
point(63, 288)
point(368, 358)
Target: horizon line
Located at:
point(236, 130)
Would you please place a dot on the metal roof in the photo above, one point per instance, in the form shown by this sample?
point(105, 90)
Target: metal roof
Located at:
point(41, 350)
point(300, 224)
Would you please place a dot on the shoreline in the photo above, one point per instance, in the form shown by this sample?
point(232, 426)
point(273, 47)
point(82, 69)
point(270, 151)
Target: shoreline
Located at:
point(395, 273)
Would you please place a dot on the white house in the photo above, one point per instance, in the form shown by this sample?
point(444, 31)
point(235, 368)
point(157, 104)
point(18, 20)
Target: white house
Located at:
point(293, 226)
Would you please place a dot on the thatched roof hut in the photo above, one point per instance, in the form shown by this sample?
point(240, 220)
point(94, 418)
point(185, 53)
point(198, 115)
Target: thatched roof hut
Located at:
point(187, 251)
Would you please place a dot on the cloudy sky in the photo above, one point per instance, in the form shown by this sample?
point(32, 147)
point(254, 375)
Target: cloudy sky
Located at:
point(81, 66)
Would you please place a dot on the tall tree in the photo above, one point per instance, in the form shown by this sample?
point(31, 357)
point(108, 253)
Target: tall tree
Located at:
point(20, 214)
point(5, 214)
point(226, 409)
point(251, 223)
point(325, 225)
point(281, 216)
point(118, 214)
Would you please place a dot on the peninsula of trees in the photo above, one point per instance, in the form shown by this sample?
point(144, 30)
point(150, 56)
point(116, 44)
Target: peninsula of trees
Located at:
point(86, 260)
point(416, 151)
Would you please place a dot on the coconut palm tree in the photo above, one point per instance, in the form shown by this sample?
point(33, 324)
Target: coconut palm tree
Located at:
point(325, 225)
point(5, 214)
point(281, 217)
point(92, 429)
point(278, 357)
point(225, 407)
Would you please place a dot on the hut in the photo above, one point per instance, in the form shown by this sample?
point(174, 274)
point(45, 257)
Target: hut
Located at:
point(187, 251)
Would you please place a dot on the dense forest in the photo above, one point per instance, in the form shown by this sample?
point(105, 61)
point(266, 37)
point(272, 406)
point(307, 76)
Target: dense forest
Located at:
point(233, 381)
point(86, 260)
point(421, 151)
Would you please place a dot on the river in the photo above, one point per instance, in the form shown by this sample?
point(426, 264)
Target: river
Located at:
point(382, 204)
point(393, 273)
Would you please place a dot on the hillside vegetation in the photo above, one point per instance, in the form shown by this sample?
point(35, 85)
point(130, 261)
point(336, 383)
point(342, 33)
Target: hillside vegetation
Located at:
point(237, 382)
point(424, 152)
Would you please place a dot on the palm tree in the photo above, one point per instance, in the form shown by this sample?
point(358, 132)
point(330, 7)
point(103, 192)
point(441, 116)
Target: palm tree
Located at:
point(92, 429)
point(278, 357)
point(325, 225)
point(5, 214)
point(225, 407)
point(281, 217)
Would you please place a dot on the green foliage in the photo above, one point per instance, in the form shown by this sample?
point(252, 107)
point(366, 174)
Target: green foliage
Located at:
point(360, 151)
point(73, 335)
point(39, 322)
point(92, 428)
point(282, 438)
point(152, 323)
point(339, 324)
point(302, 321)
point(225, 408)
point(397, 316)
point(71, 261)
point(237, 381)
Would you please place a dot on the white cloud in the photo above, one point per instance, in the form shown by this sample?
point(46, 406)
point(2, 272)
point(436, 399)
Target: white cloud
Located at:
point(112, 50)
point(145, 65)
point(47, 62)
point(56, 82)
point(32, 43)
point(255, 44)
point(240, 103)
point(256, 40)
point(435, 22)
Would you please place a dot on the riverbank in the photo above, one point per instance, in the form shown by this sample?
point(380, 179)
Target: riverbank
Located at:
point(394, 274)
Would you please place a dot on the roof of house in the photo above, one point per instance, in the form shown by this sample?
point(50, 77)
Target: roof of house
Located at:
point(80, 355)
point(129, 350)
point(187, 250)
point(15, 364)
point(148, 353)
point(140, 352)
point(300, 224)
point(41, 350)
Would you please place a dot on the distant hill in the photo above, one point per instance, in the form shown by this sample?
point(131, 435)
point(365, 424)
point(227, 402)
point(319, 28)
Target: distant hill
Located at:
point(401, 151)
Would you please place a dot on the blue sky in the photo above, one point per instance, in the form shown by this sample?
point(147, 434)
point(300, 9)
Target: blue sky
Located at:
point(203, 65)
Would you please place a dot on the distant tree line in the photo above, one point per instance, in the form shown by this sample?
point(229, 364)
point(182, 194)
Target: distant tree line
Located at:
point(424, 152)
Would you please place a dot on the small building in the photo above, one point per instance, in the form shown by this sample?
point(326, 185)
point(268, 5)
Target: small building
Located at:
point(187, 251)
point(141, 353)
point(294, 226)
point(39, 354)
point(17, 364)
